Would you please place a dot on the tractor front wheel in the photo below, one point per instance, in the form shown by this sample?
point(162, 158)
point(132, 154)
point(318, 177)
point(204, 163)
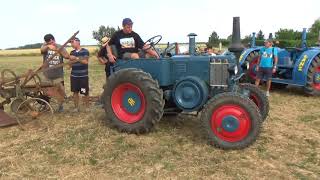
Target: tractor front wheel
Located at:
point(258, 97)
point(313, 78)
point(231, 121)
point(133, 101)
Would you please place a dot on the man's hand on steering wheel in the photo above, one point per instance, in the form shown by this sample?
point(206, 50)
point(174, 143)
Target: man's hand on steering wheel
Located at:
point(149, 46)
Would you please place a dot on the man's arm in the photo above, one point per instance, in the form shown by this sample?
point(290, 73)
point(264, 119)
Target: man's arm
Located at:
point(153, 53)
point(111, 57)
point(101, 55)
point(65, 54)
point(44, 48)
point(275, 63)
point(85, 58)
point(143, 46)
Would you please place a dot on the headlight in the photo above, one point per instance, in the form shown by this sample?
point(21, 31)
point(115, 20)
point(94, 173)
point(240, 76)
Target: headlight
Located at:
point(236, 69)
point(233, 69)
point(245, 65)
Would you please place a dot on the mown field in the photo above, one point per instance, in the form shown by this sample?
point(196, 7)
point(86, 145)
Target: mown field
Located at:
point(84, 146)
point(36, 52)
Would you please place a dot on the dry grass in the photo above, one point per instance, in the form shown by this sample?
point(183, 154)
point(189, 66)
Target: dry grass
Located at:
point(85, 146)
point(36, 52)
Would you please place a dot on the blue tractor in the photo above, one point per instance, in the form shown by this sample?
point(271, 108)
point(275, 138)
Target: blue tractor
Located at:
point(140, 91)
point(296, 66)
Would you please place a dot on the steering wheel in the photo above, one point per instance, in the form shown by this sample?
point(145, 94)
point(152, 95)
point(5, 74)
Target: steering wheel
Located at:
point(152, 42)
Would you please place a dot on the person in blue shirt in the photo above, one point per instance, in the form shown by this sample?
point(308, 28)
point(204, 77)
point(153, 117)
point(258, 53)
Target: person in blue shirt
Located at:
point(79, 79)
point(267, 64)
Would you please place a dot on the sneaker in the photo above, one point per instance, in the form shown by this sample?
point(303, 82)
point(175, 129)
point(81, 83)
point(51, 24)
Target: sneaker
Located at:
point(267, 94)
point(60, 109)
point(75, 110)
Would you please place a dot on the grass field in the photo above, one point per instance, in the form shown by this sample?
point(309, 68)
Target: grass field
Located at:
point(85, 146)
point(36, 52)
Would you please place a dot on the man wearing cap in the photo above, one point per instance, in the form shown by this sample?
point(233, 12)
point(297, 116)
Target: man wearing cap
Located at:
point(267, 63)
point(103, 56)
point(129, 44)
point(79, 79)
point(55, 76)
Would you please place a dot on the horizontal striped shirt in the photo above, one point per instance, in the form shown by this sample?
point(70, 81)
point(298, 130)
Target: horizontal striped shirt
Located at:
point(79, 69)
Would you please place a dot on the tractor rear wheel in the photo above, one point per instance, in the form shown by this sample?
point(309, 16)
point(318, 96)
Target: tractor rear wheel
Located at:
point(231, 121)
point(252, 58)
point(259, 98)
point(133, 101)
point(313, 78)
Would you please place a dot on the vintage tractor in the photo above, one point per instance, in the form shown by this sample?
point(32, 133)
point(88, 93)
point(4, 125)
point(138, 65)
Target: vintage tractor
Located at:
point(140, 91)
point(296, 66)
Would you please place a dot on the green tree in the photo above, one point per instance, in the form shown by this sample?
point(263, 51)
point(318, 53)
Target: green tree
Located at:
point(229, 38)
point(288, 34)
point(260, 35)
point(213, 40)
point(314, 30)
point(102, 32)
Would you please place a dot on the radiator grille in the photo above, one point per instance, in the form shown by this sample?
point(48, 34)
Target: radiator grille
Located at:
point(219, 74)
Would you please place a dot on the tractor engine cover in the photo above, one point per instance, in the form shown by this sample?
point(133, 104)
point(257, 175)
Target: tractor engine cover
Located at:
point(190, 93)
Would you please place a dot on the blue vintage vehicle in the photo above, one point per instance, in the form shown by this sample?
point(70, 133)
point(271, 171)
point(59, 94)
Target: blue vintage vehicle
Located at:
point(140, 91)
point(296, 66)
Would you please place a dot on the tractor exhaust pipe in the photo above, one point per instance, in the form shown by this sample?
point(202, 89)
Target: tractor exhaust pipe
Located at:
point(192, 43)
point(236, 47)
point(253, 40)
point(304, 38)
point(6, 120)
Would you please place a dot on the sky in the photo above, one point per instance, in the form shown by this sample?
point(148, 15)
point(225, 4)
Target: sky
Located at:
point(26, 22)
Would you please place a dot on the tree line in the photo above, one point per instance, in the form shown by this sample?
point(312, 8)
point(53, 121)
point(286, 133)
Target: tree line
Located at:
point(285, 37)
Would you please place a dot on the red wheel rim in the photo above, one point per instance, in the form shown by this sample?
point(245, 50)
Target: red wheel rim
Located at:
point(255, 99)
point(315, 84)
point(241, 119)
point(252, 68)
point(119, 104)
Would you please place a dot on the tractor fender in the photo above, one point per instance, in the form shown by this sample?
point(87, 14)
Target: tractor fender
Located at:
point(301, 66)
point(246, 52)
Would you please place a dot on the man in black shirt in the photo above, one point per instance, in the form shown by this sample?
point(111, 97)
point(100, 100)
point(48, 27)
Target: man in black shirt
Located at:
point(129, 44)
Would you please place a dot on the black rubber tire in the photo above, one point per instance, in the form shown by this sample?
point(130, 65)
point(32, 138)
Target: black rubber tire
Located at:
point(309, 88)
point(231, 98)
point(153, 96)
point(250, 57)
point(264, 106)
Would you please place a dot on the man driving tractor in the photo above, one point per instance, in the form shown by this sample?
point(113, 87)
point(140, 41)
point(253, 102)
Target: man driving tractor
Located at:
point(129, 44)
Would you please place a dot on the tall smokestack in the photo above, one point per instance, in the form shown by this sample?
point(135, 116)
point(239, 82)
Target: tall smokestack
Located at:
point(192, 43)
point(236, 47)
